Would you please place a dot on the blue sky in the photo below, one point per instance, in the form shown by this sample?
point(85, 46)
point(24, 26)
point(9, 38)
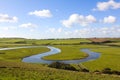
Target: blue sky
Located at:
point(42, 19)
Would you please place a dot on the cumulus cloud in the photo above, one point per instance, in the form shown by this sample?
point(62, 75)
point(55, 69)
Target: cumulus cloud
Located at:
point(7, 18)
point(113, 31)
point(111, 4)
point(79, 19)
point(109, 19)
point(86, 32)
point(28, 25)
point(41, 13)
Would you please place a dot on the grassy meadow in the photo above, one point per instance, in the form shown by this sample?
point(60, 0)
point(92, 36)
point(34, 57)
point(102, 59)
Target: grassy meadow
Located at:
point(71, 52)
point(26, 71)
point(12, 68)
point(110, 57)
point(67, 53)
point(19, 54)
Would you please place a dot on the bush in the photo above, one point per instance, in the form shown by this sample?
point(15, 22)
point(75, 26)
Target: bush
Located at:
point(2, 52)
point(116, 72)
point(84, 70)
point(64, 66)
point(3, 67)
point(97, 72)
point(107, 71)
point(21, 42)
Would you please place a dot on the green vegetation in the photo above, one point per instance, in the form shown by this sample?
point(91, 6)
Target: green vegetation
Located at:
point(11, 67)
point(13, 42)
point(60, 65)
point(67, 53)
point(26, 71)
point(19, 54)
point(109, 58)
point(71, 52)
point(69, 41)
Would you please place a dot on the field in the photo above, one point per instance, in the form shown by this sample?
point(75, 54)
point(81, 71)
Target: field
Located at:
point(25, 71)
point(68, 53)
point(19, 54)
point(109, 58)
point(11, 67)
point(71, 52)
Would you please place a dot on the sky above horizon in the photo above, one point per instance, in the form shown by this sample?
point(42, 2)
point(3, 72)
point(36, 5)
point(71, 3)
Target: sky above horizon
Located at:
point(43, 19)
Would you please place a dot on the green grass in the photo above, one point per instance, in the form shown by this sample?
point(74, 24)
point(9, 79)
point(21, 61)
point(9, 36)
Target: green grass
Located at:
point(18, 54)
point(6, 45)
point(67, 53)
point(57, 41)
point(114, 43)
point(70, 52)
point(70, 41)
point(109, 58)
point(11, 67)
point(26, 71)
point(11, 40)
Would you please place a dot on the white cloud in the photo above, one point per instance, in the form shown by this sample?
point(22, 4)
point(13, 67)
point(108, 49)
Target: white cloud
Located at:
point(59, 30)
point(28, 25)
point(7, 18)
point(109, 19)
point(51, 30)
point(111, 4)
point(54, 30)
point(6, 28)
point(79, 19)
point(41, 13)
point(113, 31)
point(32, 30)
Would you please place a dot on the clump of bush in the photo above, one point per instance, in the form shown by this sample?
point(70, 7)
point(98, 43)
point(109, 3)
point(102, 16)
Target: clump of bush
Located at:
point(116, 72)
point(108, 71)
point(2, 52)
point(3, 67)
point(60, 65)
point(84, 70)
point(21, 42)
point(97, 72)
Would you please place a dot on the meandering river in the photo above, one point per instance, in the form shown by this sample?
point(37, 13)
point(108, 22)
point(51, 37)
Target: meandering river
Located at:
point(39, 57)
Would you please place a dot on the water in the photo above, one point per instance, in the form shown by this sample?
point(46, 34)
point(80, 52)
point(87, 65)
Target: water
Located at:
point(38, 58)
point(18, 47)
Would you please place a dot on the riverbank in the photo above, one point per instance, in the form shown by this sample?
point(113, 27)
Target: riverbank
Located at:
point(54, 51)
point(16, 70)
point(18, 53)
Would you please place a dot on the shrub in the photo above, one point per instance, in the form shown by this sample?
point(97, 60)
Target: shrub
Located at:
point(116, 72)
point(3, 67)
point(2, 52)
point(97, 72)
point(84, 70)
point(21, 42)
point(107, 71)
point(60, 65)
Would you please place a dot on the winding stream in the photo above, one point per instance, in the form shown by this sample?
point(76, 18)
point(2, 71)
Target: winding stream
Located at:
point(38, 58)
